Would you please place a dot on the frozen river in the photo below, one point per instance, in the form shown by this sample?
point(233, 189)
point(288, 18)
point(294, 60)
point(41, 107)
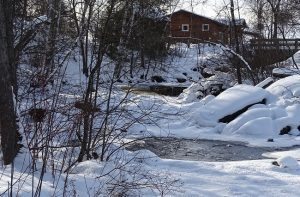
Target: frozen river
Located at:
point(202, 150)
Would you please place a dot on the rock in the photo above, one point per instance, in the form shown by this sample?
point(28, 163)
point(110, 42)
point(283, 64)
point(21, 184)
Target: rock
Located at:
point(270, 140)
point(224, 110)
point(287, 162)
point(207, 75)
point(157, 79)
point(214, 89)
point(285, 130)
point(95, 155)
point(181, 80)
point(231, 117)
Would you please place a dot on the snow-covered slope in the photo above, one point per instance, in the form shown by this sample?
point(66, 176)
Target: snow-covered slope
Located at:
point(185, 117)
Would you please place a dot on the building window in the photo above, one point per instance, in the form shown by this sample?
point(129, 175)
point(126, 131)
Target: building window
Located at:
point(205, 27)
point(185, 27)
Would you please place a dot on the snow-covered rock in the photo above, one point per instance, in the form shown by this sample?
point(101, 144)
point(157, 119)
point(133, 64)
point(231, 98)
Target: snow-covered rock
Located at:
point(192, 93)
point(286, 88)
point(292, 120)
point(259, 127)
point(288, 162)
point(246, 117)
point(207, 99)
point(229, 102)
point(265, 83)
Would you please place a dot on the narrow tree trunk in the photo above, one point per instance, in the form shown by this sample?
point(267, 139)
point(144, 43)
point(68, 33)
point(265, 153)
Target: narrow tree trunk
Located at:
point(124, 38)
point(275, 6)
point(142, 54)
point(275, 33)
point(54, 12)
point(237, 45)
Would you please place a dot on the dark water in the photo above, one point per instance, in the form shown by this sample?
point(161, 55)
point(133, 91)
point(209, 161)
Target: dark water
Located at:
point(201, 150)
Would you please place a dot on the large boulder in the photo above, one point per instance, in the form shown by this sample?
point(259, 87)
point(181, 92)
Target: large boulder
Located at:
point(230, 104)
point(286, 88)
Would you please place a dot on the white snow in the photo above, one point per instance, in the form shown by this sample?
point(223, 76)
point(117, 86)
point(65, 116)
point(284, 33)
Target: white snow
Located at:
point(257, 127)
point(286, 87)
point(191, 94)
point(189, 117)
point(241, 178)
point(265, 82)
point(184, 117)
point(228, 102)
point(279, 154)
point(288, 162)
point(249, 115)
point(285, 71)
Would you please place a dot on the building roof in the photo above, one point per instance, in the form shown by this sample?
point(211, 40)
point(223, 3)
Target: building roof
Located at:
point(238, 22)
point(226, 22)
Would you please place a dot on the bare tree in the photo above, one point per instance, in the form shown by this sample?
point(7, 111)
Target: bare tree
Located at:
point(274, 18)
point(97, 120)
point(237, 44)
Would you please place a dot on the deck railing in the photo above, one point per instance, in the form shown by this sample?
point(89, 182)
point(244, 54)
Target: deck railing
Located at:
point(283, 44)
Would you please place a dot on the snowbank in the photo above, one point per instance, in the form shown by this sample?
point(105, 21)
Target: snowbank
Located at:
point(192, 93)
point(287, 162)
point(249, 111)
point(229, 102)
point(286, 88)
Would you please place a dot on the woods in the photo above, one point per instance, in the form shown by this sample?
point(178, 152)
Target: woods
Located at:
point(109, 97)
point(275, 18)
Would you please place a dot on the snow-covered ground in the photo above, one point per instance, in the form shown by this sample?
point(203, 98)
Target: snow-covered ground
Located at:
point(201, 119)
point(241, 178)
point(242, 113)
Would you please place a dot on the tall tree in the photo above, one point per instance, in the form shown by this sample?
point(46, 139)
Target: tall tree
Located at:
point(8, 127)
point(236, 39)
point(275, 8)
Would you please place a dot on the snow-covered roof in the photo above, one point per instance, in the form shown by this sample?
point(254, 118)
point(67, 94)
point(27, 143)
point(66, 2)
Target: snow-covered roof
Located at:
point(182, 10)
point(222, 21)
point(239, 22)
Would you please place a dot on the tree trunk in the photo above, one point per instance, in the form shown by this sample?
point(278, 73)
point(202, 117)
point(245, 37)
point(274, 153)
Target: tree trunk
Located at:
point(237, 46)
point(125, 35)
point(275, 6)
point(8, 127)
point(275, 33)
point(54, 14)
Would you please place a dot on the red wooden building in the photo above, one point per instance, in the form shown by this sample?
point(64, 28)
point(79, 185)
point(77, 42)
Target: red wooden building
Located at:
point(185, 24)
